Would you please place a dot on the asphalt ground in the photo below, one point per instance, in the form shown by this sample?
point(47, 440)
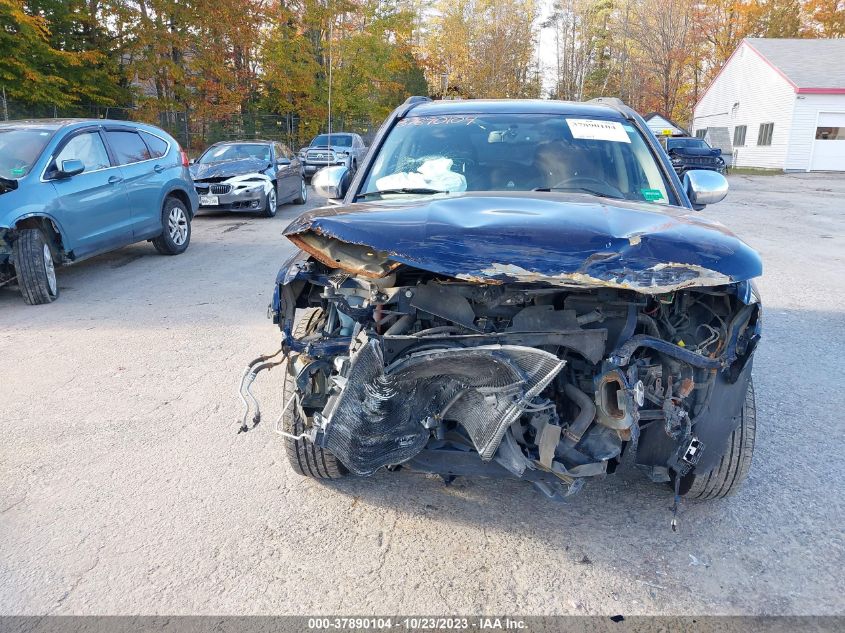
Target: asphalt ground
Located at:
point(124, 488)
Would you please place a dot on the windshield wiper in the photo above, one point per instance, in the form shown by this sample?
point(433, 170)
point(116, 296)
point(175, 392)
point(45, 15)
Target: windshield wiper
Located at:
point(594, 192)
point(412, 190)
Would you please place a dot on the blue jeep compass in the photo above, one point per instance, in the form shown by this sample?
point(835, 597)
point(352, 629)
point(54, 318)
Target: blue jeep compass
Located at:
point(72, 189)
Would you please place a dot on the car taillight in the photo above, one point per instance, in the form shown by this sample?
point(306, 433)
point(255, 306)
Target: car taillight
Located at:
point(184, 155)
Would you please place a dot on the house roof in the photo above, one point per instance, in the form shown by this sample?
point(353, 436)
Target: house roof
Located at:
point(657, 121)
point(811, 66)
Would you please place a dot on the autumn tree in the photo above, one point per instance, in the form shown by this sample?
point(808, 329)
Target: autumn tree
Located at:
point(54, 53)
point(826, 18)
point(665, 33)
point(483, 48)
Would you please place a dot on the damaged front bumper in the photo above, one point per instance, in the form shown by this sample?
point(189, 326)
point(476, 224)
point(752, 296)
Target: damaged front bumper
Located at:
point(529, 380)
point(239, 193)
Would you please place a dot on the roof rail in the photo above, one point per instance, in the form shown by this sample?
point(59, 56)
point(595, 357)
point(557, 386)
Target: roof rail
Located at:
point(410, 102)
point(612, 102)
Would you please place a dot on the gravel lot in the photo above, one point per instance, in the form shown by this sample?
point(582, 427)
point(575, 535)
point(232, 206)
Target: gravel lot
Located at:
point(124, 488)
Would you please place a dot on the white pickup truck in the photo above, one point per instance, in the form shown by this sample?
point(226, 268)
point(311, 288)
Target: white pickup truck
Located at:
point(341, 148)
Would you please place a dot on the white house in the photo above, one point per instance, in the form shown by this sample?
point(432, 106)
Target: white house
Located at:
point(783, 101)
point(660, 125)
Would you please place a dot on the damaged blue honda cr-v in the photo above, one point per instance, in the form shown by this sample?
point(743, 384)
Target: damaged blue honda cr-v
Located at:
point(519, 288)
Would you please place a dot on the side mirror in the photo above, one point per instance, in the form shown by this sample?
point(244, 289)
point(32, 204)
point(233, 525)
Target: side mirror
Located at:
point(705, 187)
point(70, 167)
point(331, 182)
point(282, 162)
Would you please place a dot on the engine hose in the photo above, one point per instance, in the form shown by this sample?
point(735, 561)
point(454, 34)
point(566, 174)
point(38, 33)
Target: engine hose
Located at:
point(401, 326)
point(623, 353)
point(649, 324)
point(245, 390)
point(585, 416)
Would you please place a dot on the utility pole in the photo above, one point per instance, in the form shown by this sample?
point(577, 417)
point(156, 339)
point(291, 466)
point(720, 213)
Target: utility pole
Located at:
point(5, 106)
point(331, 32)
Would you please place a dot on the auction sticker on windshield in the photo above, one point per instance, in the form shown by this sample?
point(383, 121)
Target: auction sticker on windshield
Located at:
point(594, 130)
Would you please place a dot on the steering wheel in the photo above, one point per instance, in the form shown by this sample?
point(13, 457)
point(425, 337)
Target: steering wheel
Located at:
point(587, 182)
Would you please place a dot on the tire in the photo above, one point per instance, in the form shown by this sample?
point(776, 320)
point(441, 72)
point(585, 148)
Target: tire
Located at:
point(271, 204)
point(175, 228)
point(305, 458)
point(33, 261)
point(302, 198)
point(727, 477)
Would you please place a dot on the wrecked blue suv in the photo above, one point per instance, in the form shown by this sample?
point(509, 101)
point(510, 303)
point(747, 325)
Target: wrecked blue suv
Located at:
point(518, 288)
point(72, 189)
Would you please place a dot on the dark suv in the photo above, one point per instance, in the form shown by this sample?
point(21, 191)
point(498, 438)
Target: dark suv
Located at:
point(686, 153)
point(519, 288)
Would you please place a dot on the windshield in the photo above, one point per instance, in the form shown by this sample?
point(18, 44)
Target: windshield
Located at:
point(696, 143)
point(516, 152)
point(338, 140)
point(20, 147)
point(236, 151)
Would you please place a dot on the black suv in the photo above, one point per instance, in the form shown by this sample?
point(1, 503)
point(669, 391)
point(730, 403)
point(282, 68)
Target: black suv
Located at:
point(688, 153)
point(518, 288)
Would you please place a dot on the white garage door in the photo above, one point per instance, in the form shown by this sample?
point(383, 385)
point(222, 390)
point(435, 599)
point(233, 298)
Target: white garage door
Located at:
point(829, 146)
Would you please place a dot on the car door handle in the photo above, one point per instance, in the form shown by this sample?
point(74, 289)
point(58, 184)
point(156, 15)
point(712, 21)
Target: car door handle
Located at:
point(158, 169)
point(113, 180)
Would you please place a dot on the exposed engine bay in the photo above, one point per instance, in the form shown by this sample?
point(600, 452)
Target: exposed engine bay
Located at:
point(544, 382)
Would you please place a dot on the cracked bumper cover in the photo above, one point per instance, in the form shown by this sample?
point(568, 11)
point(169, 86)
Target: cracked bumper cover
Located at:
point(381, 416)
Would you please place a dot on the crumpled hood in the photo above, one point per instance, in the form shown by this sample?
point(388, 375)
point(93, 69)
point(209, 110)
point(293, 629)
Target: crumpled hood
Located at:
point(560, 239)
point(226, 168)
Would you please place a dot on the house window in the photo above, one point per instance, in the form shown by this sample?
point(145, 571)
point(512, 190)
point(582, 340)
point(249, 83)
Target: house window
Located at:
point(701, 133)
point(764, 136)
point(739, 135)
point(830, 133)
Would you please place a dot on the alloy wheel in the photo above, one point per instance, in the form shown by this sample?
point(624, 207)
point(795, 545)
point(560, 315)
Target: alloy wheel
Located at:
point(271, 201)
point(50, 270)
point(177, 224)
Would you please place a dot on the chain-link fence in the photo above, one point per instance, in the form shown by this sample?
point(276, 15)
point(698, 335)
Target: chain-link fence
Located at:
point(196, 133)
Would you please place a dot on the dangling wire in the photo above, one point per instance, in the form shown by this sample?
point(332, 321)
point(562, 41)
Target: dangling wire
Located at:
point(676, 506)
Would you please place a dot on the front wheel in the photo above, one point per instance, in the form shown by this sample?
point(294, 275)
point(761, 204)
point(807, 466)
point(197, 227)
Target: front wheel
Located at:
point(33, 260)
point(305, 458)
point(271, 204)
point(727, 477)
point(176, 228)
point(302, 198)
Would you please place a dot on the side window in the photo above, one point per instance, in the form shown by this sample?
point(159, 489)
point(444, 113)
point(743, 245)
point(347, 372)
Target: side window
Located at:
point(87, 147)
point(128, 146)
point(764, 134)
point(157, 146)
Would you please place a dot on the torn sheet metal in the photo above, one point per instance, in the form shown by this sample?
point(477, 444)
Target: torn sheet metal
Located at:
point(383, 415)
point(561, 239)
